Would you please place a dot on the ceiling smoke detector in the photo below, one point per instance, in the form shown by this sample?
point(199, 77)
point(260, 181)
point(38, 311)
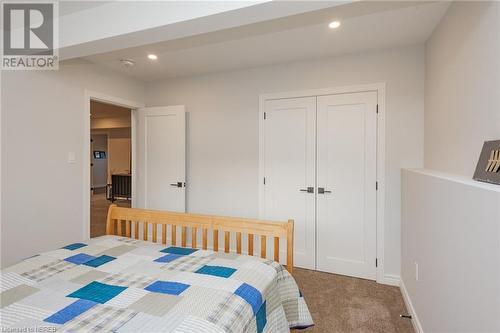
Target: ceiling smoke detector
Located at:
point(127, 62)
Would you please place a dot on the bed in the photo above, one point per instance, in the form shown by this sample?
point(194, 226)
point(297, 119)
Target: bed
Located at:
point(138, 278)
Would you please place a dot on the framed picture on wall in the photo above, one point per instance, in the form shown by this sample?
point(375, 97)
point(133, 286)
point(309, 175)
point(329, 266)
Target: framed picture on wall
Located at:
point(99, 154)
point(488, 166)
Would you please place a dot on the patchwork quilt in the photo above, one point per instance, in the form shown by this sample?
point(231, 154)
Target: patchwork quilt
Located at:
point(115, 284)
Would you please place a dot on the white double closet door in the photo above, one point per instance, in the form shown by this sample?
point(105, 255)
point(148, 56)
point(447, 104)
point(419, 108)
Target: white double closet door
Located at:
point(319, 163)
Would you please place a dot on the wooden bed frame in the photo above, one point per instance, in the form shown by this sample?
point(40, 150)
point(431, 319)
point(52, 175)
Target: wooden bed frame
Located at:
point(125, 222)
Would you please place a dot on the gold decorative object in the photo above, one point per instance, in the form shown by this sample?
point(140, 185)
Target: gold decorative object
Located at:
point(494, 161)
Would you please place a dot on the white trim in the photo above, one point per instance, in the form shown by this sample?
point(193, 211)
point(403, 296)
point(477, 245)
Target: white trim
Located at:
point(260, 182)
point(324, 91)
point(380, 88)
point(456, 178)
point(409, 305)
point(100, 97)
point(381, 135)
point(391, 280)
point(133, 144)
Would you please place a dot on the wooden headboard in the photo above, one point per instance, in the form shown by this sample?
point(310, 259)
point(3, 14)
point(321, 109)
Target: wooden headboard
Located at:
point(126, 221)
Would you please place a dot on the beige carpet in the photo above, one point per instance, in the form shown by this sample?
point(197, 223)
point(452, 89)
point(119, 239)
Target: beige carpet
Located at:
point(337, 303)
point(98, 213)
point(344, 304)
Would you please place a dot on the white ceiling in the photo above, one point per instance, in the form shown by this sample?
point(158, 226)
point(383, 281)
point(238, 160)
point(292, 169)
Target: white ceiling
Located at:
point(67, 7)
point(365, 26)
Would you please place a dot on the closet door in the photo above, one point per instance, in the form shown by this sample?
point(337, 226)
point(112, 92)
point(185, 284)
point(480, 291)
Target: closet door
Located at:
point(289, 170)
point(346, 176)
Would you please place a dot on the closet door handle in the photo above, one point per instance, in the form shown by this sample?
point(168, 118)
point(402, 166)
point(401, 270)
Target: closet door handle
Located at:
point(178, 184)
point(308, 190)
point(321, 190)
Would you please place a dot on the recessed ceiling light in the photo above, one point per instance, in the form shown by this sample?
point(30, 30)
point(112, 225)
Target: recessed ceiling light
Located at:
point(152, 56)
point(334, 24)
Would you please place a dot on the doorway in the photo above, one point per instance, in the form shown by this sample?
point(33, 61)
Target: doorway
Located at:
point(320, 163)
point(111, 161)
point(157, 152)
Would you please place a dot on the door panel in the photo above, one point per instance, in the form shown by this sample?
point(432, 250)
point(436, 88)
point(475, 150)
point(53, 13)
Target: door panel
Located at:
point(346, 166)
point(289, 166)
point(161, 158)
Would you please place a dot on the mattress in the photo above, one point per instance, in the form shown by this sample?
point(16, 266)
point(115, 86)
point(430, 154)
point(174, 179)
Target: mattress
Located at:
point(116, 284)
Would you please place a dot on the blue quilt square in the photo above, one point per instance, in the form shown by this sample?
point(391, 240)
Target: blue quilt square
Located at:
point(70, 312)
point(166, 287)
point(169, 257)
point(261, 318)
point(179, 250)
point(97, 292)
point(101, 260)
point(79, 258)
point(251, 295)
point(220, 271)
point(74, 246)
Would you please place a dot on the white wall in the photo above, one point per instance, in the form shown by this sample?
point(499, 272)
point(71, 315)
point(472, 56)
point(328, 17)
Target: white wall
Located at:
point(42, 195)
point(451, 224)
point(451, 228)
point(222, 143)
point(462, 99)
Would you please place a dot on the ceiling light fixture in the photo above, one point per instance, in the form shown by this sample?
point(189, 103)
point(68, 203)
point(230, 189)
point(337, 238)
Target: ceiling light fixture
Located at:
point(152, 56)
point(127, 62)
point(334, 24)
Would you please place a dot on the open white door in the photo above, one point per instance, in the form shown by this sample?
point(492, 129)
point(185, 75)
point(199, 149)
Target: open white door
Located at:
point(161, 158)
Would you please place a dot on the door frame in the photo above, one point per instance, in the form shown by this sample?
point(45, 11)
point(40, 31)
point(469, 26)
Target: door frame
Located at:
point(380, 88)
point(101, 97)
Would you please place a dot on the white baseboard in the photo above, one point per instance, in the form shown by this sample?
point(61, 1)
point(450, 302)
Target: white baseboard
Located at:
point(391, 280)
point(416, 323)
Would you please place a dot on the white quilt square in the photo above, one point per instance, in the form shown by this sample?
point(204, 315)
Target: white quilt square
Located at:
point(91, 249)
point(10, 280)
point(265, 270)
point(59, 285)
point(127, 297)
point(59, 253)
point(16, 312)
point(200, 301)
point(48, 300)
point(148, 268)
point(194, 324)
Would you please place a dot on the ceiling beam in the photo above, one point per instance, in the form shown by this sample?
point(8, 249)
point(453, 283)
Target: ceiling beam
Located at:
point(125, 24)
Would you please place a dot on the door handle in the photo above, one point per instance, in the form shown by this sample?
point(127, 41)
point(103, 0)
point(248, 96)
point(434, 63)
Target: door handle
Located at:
point(321, 190)
point(308, 190)
point(178, 184)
